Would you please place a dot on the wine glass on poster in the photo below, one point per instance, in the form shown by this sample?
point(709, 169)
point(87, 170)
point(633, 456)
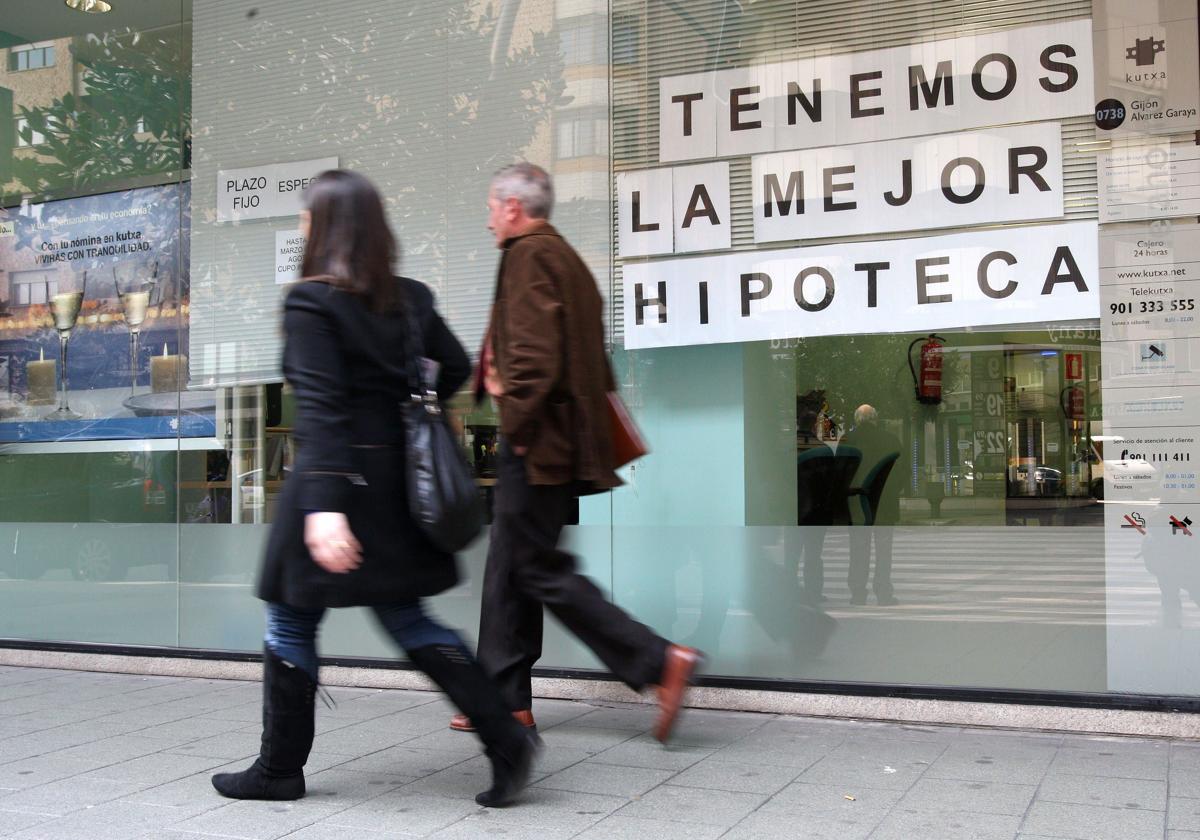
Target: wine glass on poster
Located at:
point(65, 297)
point(135, 284)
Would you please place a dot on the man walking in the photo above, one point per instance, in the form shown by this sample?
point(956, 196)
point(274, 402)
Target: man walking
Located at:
point(543, 362)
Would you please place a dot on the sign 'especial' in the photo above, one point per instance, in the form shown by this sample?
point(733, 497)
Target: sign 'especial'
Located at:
point(1028, 74)
point(988, 278)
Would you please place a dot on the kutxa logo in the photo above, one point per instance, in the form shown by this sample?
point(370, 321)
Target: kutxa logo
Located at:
point(1145, 50)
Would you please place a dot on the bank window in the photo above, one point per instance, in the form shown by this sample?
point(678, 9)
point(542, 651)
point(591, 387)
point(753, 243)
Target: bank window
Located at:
point(582, 137)
point(32, 287)
point(31, 57)
point(583, 40)
point(27, 136)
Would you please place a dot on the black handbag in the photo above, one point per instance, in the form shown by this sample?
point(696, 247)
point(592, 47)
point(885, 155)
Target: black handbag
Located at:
point(442, 496)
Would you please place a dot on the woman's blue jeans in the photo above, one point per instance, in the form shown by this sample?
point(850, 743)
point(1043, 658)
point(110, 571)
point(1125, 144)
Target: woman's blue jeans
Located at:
point(292, 632)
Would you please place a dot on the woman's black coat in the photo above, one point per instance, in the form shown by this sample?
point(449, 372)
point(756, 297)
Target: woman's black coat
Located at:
point(347, 366)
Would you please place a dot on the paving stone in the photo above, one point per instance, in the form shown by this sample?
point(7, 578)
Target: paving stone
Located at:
point(1182, 814)
point(473, 827)
point(1010, 738)
point(947, 825)
point(607, 779)
point(404, 761)
point(114, 750)
point(554, 759)
point(1104, 790)
point(248, 712)
point(728, 775)
point(779, 825)
point(322, 831)
point(566, 810)
point(339, 786)
point(639, 752)
point(1092, 822)
point(834, 801)
point(1122, 759)
point(873, 764)
point(67, 795)
point(186, 731)
point(442, 739)
point(1183, 783)
point(54, 739)
point(955, 795)
point(31, 772)
point(159, 767)
point(368, 736)
point(1185, 755)
point(461, 781)
point(635, 719)
point(227, 745)
point(260, 820)
point(994, 761)
point(399, 811)
point(110, 821)
point(592, 739)
point(188, 797)
point(782, 748)
point(618, 827)
point(50, 718)
point(694, 805)
point(550, 713)
point(709, 728)
point(12, 822)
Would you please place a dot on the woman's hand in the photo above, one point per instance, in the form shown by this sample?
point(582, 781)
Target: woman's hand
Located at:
point(331, 542)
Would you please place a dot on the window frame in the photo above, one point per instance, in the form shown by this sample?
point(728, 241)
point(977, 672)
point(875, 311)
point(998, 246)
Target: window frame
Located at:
point(587, 132)
point(21, 59)
point(36, 138)
point(22, 283)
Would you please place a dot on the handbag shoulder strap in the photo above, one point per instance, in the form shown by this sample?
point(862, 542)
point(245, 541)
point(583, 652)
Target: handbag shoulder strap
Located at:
point(414, 345)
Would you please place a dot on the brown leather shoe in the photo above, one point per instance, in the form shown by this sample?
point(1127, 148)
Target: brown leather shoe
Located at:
point(679, 666)
point(462, 723)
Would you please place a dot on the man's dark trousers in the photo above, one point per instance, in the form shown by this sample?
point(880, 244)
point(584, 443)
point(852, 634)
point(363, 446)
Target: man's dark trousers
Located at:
point(526, 570)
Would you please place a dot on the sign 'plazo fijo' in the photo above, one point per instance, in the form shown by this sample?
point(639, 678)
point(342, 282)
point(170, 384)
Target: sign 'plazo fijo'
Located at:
point(842, 146)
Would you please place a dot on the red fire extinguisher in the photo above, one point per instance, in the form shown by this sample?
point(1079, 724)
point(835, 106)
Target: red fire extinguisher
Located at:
point(928, 385)
point(1072, 401)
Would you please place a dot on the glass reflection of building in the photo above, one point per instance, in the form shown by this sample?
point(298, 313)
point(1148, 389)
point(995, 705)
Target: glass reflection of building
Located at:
point(800, 538)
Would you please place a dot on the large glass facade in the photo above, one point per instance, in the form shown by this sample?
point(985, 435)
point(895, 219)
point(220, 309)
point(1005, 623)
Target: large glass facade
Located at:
point(900, 295)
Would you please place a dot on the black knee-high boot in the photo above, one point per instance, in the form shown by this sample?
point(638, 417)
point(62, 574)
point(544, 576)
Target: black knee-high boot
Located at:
point(289, 696)
point(509, 745)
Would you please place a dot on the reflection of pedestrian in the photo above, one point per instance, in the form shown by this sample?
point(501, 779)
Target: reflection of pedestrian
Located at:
point(823, 478)
point(342, 537)
point(544, 363)
point(1175, 571)
point(880, 492)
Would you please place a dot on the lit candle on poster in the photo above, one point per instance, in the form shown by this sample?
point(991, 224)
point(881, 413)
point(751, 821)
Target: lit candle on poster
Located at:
point(168, 372)
point(42, 379)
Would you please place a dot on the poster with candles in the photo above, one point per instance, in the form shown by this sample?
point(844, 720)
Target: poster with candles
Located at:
point(93, 312)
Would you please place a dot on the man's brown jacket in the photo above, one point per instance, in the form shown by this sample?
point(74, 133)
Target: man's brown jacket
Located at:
point(548, 344)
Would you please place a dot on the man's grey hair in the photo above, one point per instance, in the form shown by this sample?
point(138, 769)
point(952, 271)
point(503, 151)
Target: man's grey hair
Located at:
point(865, 414)
point(529, 184)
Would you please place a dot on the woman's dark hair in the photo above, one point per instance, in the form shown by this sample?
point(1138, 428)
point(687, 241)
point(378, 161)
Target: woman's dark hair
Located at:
point(349, 242)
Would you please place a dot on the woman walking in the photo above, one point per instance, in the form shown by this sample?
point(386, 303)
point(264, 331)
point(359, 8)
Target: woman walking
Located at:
point(342, 537)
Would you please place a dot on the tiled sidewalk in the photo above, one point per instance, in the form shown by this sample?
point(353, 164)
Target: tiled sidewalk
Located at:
point(90, 756)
